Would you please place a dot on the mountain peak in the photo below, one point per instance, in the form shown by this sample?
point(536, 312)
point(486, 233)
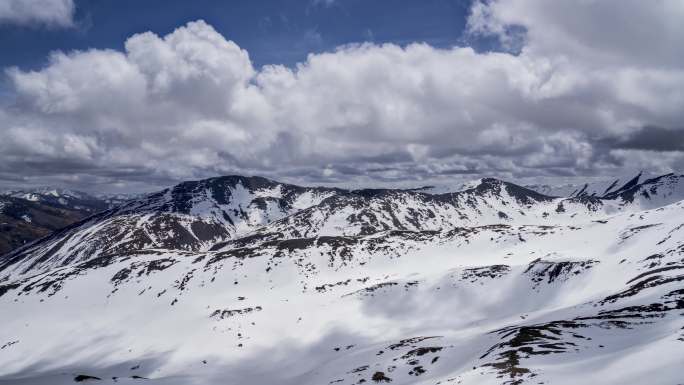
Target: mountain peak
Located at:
point(522, 194)
point(657, 191)
point(629, 185)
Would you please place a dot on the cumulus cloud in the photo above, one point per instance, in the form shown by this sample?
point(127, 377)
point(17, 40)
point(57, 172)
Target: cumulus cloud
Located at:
point(625, 33)
point(190, 104)
point(47, 12)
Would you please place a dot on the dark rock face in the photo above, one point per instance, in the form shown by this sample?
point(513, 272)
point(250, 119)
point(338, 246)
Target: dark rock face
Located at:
point(492, 272)
point(541, 271)
point(380, 377)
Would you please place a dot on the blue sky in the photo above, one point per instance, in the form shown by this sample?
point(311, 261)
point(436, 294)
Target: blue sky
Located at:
point(273, 31)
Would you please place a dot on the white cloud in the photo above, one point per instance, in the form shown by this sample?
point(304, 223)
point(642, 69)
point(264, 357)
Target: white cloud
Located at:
point(190, 104)
point(48, 12)
point(597, 33)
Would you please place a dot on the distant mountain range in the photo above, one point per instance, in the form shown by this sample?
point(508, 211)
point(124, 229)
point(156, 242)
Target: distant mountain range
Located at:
point(26, 215)
point(245, 280)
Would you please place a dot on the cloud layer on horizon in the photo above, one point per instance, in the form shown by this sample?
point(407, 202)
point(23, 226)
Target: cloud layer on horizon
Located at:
point(584, 91)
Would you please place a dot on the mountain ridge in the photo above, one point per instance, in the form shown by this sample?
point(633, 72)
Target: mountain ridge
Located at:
point(206, 212)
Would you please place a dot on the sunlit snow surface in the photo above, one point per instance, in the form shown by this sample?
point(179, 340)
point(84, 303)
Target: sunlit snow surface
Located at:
point(327, 288)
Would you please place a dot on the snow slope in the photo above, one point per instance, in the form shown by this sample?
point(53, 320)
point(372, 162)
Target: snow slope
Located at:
point(319, 286)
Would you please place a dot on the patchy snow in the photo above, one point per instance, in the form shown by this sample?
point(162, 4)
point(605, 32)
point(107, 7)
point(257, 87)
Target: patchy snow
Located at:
point(30, 197)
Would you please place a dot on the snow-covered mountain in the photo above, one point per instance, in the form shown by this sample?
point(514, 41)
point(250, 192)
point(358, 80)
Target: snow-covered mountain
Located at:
point(596, 187)
point(244, 280)
point(604, 188)
point(71, 199)
point(117, 199)
point(56, 197)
